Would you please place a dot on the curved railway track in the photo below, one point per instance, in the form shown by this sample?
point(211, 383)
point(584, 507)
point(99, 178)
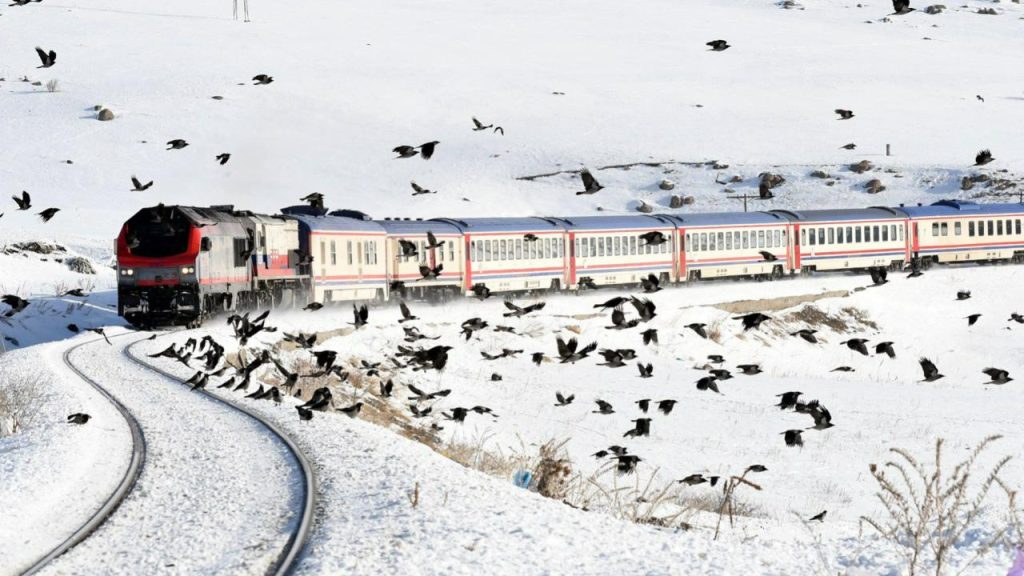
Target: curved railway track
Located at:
point(124, 487)
point(289, 555)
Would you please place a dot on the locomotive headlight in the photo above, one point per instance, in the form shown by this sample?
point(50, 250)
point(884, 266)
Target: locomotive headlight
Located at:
point(127, 272)
point(188, 269)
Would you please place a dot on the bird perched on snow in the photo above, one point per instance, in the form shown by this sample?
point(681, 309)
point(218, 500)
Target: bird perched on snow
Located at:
point(752, 320)
point(983, 157)
point(198, 380)
point(998, 376)
point(262, 79)
point(718, 45)
point(807, 334)
point(25, 202)
point(176, 144)
point(844, 114)
point(352, 411)
point(420, 190)
point(857, 345)
point(78, 418)
point(139, 186)
point(313, 306)
point(590, 184)
point(48, 58)
point(931, 373)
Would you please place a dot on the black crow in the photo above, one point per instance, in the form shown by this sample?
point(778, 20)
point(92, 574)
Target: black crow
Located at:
point(420, 190)
point(258, 394)
point(73, 328)
point(427, 149)
point(931, 373)
point(718, 45)
point(472, 325)
point(352, 411)
point(428, 273)
point(983, 157)
point(603, 407)
point(708, 383)
point(750, 369)
point(820, 516)
point(879, 276)
point(752, 320)
point(198, 380)
point(458, 414)
point(261, 79)
point(48, 58)
point(223, 158)
point(139, 186)
point(481, 291)
point(613, 303)
point(538, 357)
point(325, 359)
point(408, 248)
point(644, 404)
point(506, 329)
point(590, 184)
point(78, 418)
point(757, 468)
point(16, 303)
point(844, 114)
point(767, 256)
point(857, 345)
point(313, 306)
point(850, 146)
point(997, 375)
point(644, 307)
point(642, 427)
point(360, 315)
point(564, 400)
point(227, 383)
point(417, 412)
point(530, 238)
point(653, 238)
point(793, 438)
point(693, 480)
point(842, 369)
point(101, 333)
point(716, 358)
point(650, 336)
point(314, 199)
point(699, 329)
point(478, 125)
point(645, 371)
point(586, 283)
point(499, 129)
point(807, 334)
point(1015, 317)
point(45, 215)
point(666, 406)
point(517, 311)
point(25, 202)
point(901, 7)
point(650, 284)
point(568, 352)
point(304, 413)
point(619, 321)
point(176, 144)
point(972, 319)
point(721, 374)
point(612, 358)
point(386, 388)
point(405, 151)
point(76, 292)
point(627, 463)
point(963, 294)
point(885, 348)
point(406, 314)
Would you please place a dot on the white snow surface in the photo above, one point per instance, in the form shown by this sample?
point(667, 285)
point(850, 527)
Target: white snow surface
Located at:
point(486, 524)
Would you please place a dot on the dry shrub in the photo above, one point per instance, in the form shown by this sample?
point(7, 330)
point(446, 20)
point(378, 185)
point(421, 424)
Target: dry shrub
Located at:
point(848, 319)
point(53, 86)
point(776, 304)
point(929, 508)
point(19, 403)
point(634, 498)
point(475, 453)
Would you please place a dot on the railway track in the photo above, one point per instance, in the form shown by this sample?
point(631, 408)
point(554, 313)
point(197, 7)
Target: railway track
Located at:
point(297, 540)
point(284, 561)
point(124, 487)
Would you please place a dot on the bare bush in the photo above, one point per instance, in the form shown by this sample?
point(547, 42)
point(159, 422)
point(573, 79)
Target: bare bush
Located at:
point(19, 403)
point(53, 86)
point(929, 508)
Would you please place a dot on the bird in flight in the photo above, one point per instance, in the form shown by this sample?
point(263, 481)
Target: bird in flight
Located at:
point(844, 114)
point(48, 58)
point(590, 184)
point(718, 45)
point(25, 202)
point(262, 79)
point(139, 186)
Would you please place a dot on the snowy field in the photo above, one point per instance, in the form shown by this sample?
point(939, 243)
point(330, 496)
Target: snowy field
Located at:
point(573, 84)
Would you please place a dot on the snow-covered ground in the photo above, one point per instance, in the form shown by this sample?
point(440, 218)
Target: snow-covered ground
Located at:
point(573, 84)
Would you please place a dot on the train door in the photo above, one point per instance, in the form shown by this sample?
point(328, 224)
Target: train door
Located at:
point(682, 255)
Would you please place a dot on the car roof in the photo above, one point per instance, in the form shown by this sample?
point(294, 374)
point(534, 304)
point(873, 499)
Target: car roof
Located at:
point(961, 208)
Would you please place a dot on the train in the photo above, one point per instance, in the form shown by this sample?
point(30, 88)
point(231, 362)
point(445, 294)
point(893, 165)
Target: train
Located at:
point(181, 264)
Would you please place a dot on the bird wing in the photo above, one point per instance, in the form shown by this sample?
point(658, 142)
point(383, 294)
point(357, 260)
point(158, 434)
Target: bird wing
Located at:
point(42, 54)
point(431, 239)
point(511, 306)
point(618, 317)
point(405, 310)
point(928, 367)
point(563, 347)
point(478, 123)
point(588, 348)
point(588, 179)
point(416, 187)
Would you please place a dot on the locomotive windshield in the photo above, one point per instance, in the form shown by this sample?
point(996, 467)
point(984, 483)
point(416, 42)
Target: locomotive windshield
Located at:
point(158, 232)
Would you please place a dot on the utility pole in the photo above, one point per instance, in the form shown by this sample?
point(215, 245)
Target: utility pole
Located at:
point(744, 198)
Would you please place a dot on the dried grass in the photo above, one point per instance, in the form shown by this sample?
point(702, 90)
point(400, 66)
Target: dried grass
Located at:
point(19, 403)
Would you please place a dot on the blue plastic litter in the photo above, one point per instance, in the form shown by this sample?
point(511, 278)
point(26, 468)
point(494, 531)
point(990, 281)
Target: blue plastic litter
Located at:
point(522, 478)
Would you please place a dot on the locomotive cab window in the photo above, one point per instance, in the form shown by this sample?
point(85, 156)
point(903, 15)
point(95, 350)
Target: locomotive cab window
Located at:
point(240, 252)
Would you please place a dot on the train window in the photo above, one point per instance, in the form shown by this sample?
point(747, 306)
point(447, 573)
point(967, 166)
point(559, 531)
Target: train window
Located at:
point(736, 239)
point(1017, 226)
point(970, 228)
point(746, 239)
point(556, 247)
point(487, 250)
point(712, 245)
point(1009, 227)
point(349, 250)
point(600, 246)
point(991, 228)
point(944, 228)
point(728, 240)
point(821, 237)
point(373, 252)
point(334, 254)
point(581, 248)
point(686, 243)
point(874, 234)
point(632, 245)
point(803, 237)
point(849, 235)
point(999, 227)
point(831, 235)
point(760, 239)
point(885, 233)
point(608, 245)
point(703, 242)
point(616, 246)
point(502, 253)
point(935, 228)
point(665, 247)
point(958, 228)
point(811, 237)
point(518, 249)
point(721, 241)
point(323, 256)
point(546, 248)
point(981, 228)
point(858, 235)
point(593, 247)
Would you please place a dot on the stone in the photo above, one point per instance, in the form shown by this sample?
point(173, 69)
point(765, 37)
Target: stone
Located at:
point(861, 167)
point(105, 115)
point(874, 186)
point(666, 184)
point(675, 202)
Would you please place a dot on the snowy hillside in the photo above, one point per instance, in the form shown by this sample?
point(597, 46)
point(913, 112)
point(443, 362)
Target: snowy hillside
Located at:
point(635, 84)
